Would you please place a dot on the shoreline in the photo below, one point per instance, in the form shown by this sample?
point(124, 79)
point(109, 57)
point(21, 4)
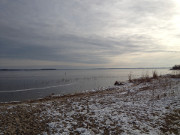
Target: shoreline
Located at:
point(91, 92)
point(50, 97)
point(62, 97)
point(36, 86)
point(143, 106)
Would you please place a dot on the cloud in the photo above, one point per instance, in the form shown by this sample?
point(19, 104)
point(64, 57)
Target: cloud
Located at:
point(87, 32)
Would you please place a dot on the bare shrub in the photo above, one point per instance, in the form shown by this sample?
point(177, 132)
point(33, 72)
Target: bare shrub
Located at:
point(147, 78)
point(176, 67)
point(175, 74)
point(155, 75)
point(130, 77)
point(144, 78)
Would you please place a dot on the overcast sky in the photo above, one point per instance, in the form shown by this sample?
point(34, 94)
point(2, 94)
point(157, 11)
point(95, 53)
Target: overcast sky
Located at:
point(89, 33)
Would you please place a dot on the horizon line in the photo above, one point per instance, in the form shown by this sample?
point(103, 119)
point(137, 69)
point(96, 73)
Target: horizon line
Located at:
point(14, 69)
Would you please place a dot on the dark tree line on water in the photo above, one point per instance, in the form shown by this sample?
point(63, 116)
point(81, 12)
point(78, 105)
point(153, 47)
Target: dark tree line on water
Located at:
point(176, 67)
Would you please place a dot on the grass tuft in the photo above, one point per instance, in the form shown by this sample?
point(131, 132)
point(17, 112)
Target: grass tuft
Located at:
point(155, 75)
point(130, 78)
point(144, 78)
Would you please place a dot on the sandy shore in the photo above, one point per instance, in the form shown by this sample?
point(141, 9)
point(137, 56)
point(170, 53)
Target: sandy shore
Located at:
point(144, 106)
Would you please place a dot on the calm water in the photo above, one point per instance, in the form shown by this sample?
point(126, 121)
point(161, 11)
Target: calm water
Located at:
point(24, 85)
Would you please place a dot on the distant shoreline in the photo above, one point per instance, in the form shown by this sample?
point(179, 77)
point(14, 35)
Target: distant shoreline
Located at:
point(24, 69)
point(79, 69)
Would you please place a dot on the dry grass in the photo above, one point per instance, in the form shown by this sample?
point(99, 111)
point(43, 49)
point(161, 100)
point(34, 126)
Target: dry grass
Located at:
point(144, 78)
point(171, 123)
point(130, 78)
point(155, 75)
point(22, 120)
point(175, 74)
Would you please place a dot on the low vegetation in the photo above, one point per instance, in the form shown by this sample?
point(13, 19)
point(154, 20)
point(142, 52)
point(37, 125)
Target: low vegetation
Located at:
point(143, 78)
point(146, 78)
point(175, 71)
point(176, 67)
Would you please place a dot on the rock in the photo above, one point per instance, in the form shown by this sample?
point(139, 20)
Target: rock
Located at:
point(118, 83)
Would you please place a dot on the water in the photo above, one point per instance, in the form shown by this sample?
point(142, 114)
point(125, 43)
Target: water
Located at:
point(25, 85)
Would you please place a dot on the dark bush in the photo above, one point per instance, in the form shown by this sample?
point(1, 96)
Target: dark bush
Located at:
point(176, 67)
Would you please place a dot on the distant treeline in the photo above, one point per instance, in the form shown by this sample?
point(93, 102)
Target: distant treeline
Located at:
point(176, 67)
point(79, 69)
point(25, 69)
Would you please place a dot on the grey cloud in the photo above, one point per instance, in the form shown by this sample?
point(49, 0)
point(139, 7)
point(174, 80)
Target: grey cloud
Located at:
point(86, 50)
point(77, 31)
point(70, 48)
point(162, 51)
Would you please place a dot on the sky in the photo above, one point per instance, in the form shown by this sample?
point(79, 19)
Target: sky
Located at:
point(89, 33)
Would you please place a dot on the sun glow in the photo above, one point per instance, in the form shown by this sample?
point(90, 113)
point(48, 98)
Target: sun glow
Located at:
point(177, 2)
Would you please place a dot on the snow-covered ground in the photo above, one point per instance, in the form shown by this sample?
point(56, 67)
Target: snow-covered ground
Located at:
point(133, 108)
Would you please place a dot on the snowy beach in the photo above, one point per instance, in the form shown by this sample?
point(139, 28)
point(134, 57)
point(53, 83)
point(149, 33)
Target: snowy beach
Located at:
point(90, 67)
point(143, 106)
